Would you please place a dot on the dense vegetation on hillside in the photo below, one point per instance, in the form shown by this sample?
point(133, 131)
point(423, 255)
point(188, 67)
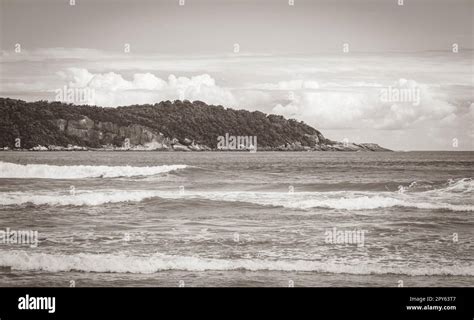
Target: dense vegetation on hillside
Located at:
point(36, 123)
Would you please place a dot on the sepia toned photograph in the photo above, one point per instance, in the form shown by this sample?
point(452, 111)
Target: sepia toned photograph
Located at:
point(240, 143)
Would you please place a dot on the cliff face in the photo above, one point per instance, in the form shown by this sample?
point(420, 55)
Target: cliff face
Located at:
point(178, 126)
point(108, 133)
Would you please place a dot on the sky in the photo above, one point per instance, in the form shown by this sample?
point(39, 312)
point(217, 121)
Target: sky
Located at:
point(362, 70)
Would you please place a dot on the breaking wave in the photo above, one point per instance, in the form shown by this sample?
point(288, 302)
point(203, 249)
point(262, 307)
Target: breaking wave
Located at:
point(45, 171)
point(463, 185)
point(83, 262)
point(342, 200)
point(90, 198)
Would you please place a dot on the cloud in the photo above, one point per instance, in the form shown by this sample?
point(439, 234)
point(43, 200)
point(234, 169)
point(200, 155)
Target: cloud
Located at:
point(403, 104)
point(111, 89)
point(289, 85)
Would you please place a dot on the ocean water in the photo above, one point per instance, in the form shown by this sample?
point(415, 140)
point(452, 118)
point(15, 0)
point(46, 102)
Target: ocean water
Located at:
point(238, 218)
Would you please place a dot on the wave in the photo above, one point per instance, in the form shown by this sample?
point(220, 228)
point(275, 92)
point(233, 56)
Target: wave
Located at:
point(44, 171)
point(119, 263)
point(341, 200)
point(89, 198)
point(332, 200)
point(463, 185)
point(371, 203)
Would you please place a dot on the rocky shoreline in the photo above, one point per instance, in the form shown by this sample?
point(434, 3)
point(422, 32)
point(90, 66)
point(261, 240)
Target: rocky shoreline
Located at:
point(181, 126)
point(141, 138)
point(337, 147)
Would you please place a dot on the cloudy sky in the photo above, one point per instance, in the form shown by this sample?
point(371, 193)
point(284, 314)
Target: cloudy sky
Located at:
point(366, 70)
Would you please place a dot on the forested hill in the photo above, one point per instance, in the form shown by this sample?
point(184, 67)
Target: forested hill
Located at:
point(188, 125)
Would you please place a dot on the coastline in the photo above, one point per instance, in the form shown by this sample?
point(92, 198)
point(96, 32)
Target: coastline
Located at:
point(183, 148)
point(172, 151)
point(164, 126)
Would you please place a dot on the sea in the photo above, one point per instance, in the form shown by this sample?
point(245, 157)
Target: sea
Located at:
point(218, 219)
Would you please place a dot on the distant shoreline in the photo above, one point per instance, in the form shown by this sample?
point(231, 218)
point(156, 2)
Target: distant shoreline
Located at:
point(164, 126)
point(218, 151)
point(196, 151)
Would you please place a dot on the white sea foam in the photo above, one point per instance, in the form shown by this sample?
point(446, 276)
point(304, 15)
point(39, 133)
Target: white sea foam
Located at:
point(342, 200)
point(89, 198)
point(21, 260)
point(374, 202)
point(461, 185)
point(44, 171)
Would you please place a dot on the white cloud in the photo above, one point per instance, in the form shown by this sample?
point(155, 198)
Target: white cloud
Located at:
point(111, 89)
point(289, 85)
point(364, 108)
